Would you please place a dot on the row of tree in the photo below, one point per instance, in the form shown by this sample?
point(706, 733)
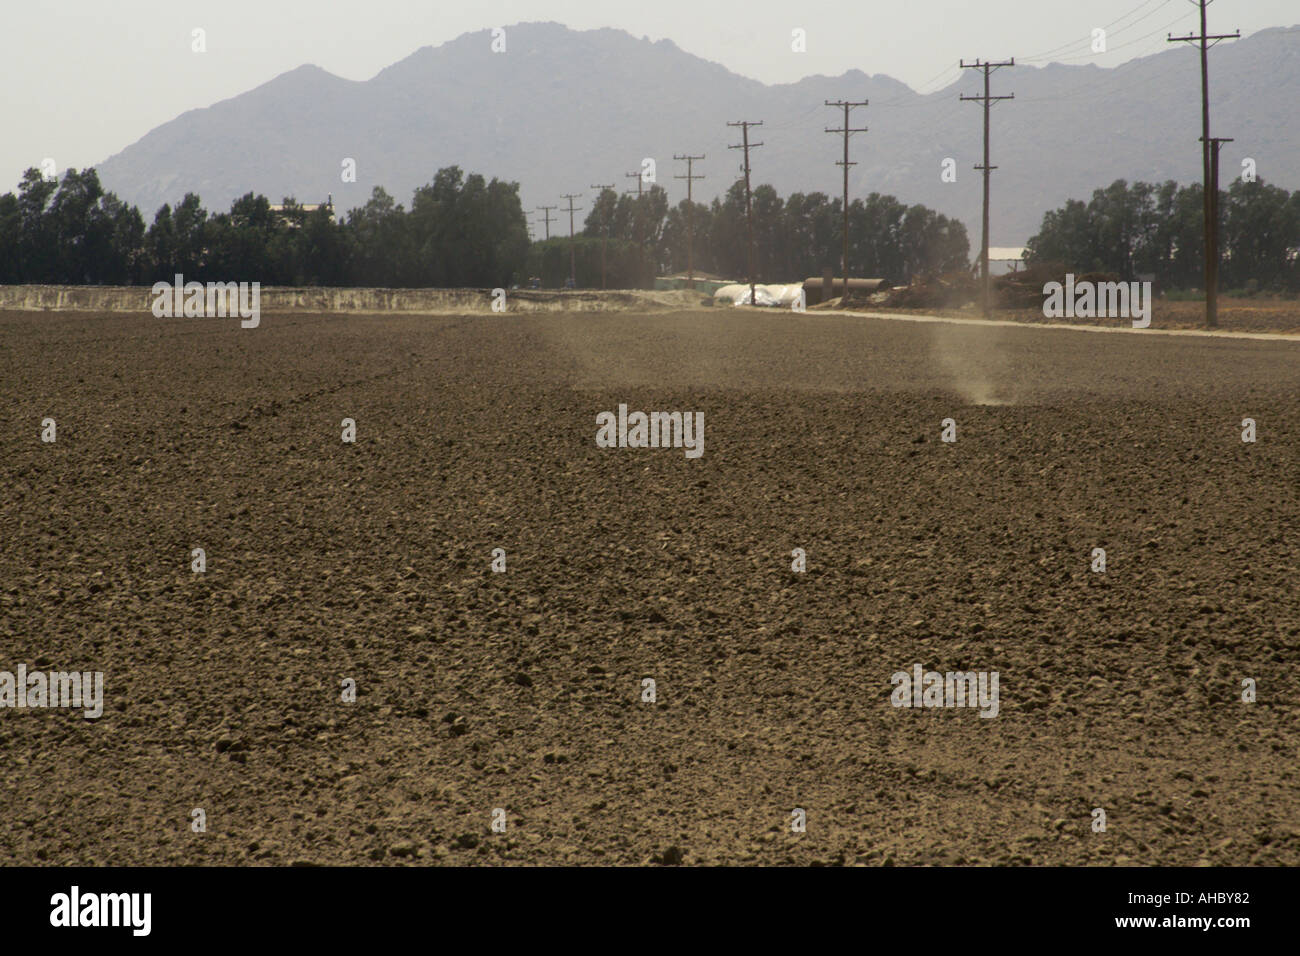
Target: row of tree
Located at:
point(465, 231)
point(459, 231)
point(793, 238)
point(1146, 229)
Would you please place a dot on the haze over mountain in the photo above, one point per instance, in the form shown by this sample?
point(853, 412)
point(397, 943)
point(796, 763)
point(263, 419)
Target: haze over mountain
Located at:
point(561, 109)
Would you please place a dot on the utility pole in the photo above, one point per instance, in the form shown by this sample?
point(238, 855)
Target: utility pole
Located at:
point(1216, 143)
point(988, 101)
point(846, 164)
point(690, 233)
point(1209, 155)
point(746, 145)
point(604, 231)
point(573, 275)
point(636, 212)
point(548, 218)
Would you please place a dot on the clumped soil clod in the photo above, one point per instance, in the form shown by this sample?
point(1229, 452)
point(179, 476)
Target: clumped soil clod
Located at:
point(372, 562)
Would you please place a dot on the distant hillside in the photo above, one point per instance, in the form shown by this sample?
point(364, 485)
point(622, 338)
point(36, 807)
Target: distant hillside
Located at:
point(562, 109)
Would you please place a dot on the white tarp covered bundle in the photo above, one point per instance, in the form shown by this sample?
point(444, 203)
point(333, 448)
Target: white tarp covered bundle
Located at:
point(786, 295)
point(776, 295)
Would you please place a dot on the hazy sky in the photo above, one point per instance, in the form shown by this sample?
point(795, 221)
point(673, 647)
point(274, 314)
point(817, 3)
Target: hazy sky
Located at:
point(85, 78)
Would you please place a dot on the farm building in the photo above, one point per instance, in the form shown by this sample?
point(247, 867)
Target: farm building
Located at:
point(1004, 259)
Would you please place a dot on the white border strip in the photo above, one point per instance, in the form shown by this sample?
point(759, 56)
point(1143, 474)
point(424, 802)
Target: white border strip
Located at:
point(1008, 323)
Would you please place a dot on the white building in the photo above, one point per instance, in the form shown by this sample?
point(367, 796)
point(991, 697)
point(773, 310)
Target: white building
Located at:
point(1004, 259)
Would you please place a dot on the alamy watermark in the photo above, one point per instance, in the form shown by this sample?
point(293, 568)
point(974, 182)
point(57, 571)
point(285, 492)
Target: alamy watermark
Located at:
point(216, 300)
point(75, 908)
point(923, 688)
point(1098, 300)
point(53, 689)
point(652, 430)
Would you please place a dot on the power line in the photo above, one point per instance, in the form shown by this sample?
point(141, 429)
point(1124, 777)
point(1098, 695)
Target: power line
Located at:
point(548, 218)
point(1210, 165)
point(917, 92)
point(847, 131)
point(901, 102)
point(941, 76)
point(1146, 36)
point(690, 234)
point(988, 69)
point(896, 101)
point(1073, 43)
point(746, 145)
point(1111, 85)
point(1107, 83)
point(573, 274)
point(796, 121)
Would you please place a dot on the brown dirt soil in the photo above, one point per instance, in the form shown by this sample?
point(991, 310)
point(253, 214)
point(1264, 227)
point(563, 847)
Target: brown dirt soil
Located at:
point(1235, 315)
point(522, 690)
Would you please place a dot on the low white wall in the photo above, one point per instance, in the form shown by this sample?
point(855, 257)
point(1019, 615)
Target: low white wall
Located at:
point(290, 299)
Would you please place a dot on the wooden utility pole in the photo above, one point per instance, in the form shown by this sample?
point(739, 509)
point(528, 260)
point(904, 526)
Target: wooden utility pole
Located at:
point(1209, 155)
point(988, 101)
point(636, 212)
point(746, 145)
point(573, 274)
point(690, 234)
point(548, 218)
point(1216, 143)
point(604, 230)
point(846, 130)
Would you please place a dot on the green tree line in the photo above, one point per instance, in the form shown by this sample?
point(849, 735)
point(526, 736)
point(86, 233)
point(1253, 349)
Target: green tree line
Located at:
point(794, 238)
point(1143, 229)
point(460, 230)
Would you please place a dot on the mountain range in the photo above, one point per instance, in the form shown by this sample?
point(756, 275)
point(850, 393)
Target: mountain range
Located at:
point(561, 109)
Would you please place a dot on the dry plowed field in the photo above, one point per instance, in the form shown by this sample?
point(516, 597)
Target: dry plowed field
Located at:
point(371, 561)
